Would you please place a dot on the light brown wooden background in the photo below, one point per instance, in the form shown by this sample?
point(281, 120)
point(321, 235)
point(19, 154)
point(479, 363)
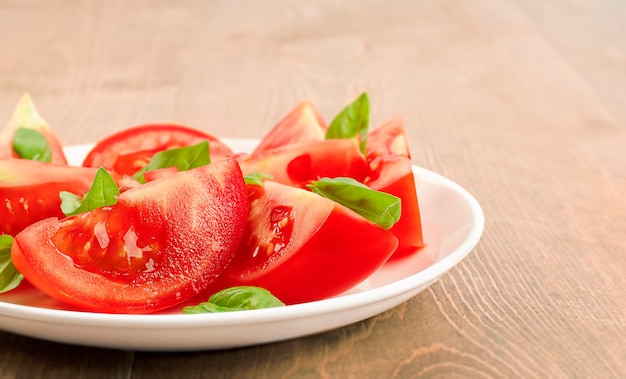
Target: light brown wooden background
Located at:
point(521, 102)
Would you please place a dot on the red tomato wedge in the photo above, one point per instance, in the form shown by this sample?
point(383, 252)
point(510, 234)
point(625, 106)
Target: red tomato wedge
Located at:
point(303, 247)
point(161, 244)
point(298, 164)
point(27, 116)
point(302, 124)
point(392, 172)
point(29, 191)
point(127, 151)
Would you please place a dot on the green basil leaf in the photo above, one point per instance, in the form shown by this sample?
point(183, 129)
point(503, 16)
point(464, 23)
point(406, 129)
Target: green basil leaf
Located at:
point(69, 202)
point(379, 207)
point(256, 178)
point(183, 158)
point(9, 276)
point(31, 144)
point(238, 298)
point(102, 193)
point(352, 121)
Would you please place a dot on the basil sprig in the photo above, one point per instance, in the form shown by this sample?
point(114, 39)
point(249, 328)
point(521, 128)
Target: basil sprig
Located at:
point(379, 207)
point(31, 144)
point(183, 158)
point(352, 121)
point(9, 276)
point(102, 193)
point(240, 298)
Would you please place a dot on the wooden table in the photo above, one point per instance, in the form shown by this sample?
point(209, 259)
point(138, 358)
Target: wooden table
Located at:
point(522, 103)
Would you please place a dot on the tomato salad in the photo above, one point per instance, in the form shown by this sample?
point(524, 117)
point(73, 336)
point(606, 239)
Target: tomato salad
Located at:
point(161, 215)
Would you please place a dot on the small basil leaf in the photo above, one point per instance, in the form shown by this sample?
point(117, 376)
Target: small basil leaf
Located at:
point(9, 276)
point(352, 121)
point(238, 298)
point(31, 144)
point(256, 178)
point(102, 193)
point(183, 158)
point(69, 202)
point(379, 207)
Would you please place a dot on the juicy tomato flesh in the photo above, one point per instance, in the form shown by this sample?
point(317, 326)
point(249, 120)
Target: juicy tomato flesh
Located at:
point(120, 247)
point(301, 246)
point(129, 150)
point(278, 236)
point(269, 237)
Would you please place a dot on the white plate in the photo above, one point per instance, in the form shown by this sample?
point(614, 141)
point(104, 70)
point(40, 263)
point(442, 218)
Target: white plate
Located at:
point(452, 225)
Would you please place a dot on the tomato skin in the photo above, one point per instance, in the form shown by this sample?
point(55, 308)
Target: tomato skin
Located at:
point(26, 115)
point(128, 150)
point(29, 191)
point(302, 124)
point(325, 250)
point(299, 164)
point(209, 206)
point(392, 172)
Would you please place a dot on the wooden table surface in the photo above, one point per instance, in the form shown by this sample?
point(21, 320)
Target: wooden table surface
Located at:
point(522, 103)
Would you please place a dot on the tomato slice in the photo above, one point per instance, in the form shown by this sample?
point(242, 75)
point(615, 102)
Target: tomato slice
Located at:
point(127, 151)
point(29, 191)
point(298, 164)
point(302, 124)
point(26, 115)
point(392, 172)
point(162, 243)
point(303, 247)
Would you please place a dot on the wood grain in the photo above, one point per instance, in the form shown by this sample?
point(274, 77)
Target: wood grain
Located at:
point(522, 103)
